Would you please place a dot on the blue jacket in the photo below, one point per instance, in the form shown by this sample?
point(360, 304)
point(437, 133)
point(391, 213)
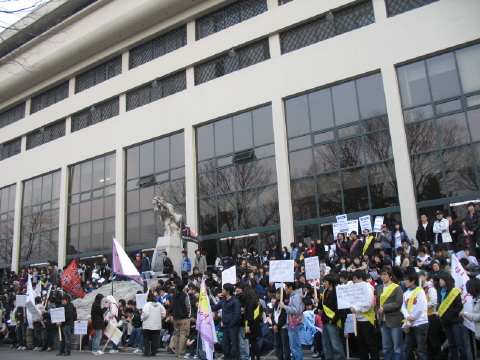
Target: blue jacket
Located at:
point(231, 310)
point(145, 264)
point(186, 264)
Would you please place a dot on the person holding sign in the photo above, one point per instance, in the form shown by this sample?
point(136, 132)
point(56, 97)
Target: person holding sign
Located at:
point(414, 309)
point(365, 316)
point(331, 320)
point(66, 326)
point(98, 323)
point(294, 312)
point(280, 331)
point(449, 313)
point(389, 316)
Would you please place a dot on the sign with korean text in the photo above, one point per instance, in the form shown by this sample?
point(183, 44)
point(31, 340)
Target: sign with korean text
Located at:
point(365, 223)
point(312, 268)
point(377, 225)
point(352, 295)
point(342, 223)
point(282, 271)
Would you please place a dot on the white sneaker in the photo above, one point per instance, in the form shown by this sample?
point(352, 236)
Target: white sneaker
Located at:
point(98, 352)
point(113, 351)
point(24, 348)
point(137, 351)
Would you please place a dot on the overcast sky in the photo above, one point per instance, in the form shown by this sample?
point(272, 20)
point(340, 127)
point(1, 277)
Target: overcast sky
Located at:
point(16, 6)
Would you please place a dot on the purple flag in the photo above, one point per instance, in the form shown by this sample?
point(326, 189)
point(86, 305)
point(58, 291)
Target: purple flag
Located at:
point(122, 265)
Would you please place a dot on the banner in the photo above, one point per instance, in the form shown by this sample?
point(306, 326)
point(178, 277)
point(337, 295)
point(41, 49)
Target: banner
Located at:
point(70, 280)
point(122, 265)
point(282, 271)
point(205, 324)
point(188, 234)
point(461, 278)
point(30, 298)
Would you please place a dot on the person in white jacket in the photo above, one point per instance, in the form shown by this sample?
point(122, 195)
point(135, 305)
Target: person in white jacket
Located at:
point(152, 315)
point(441, 229)
point(365, 315)
point(414, 310)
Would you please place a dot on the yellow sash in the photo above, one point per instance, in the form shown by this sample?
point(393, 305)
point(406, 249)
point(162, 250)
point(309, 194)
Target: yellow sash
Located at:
point(386, 294)
point(330, 313)
point(370, 315)
point(256, 312)
point(448, 301)
point(367, 244)
point(412, 299)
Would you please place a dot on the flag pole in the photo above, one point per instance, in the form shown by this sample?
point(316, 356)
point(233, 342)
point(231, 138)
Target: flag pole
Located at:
point(113, 266)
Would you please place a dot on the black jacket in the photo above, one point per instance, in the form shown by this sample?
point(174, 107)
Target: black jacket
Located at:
point(96, 313)
point(472, 224)
point(424, 235)
point(452, 314)
point(180, 309)
point(330, 301)
point(69, 313)
point(282, 318)
point(255, 325)
point(231, 310)
point(167, 265)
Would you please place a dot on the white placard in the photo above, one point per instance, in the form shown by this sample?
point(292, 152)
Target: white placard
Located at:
point(352, 226)
point(352, 295)
point(365, 223)
point(277, 285)
point(113, 333)
point(57, 315)
point(33, 310)
point(342, 223)
point(282, 271)
point(21, 300)
point(312, 268)
point(377, 226)
point(336, 230)
point(461, 255)
point(349, 326)
point(229, 276)
point(398, 261)
point(374, 275)
point(80, 327)
point(141, 300)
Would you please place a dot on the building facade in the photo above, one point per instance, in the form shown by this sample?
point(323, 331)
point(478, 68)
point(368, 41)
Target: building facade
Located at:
point(259, 120)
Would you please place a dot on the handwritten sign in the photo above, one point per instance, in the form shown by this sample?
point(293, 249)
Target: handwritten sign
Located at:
point(57, 315)
point(312, 268)
point(365, 223)
point(80, 327)
point(342, 223)
point(113, 333)
point(349, 326)
point(336, 230)
point(352, 226)
point(282, 271)
point(377, 226)
point(461, 278)
point(141, 300)
point(352, 295)
point(229, 276)
point(33, 310)
point(21, 300)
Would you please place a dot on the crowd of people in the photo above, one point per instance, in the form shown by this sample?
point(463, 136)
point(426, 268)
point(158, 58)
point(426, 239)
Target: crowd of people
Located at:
point(414, 308)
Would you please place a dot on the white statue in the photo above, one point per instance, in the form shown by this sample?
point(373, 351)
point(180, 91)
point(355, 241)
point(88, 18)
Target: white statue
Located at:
point(170, 219)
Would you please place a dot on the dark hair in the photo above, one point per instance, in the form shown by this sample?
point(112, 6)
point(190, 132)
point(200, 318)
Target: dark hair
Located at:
point(180, 286)
point(360, 275)
point(437, 248)
point(229, 288)
point(473, 287)
point(240, 285)
point(332, 279)
point(390, 274)
point(165, 253)
point(386, 262)
point(464, 262)
point(184, 252)
point(128, 311)
point(293, 285)
point(412, 277)
point(449, 281)
point(151, 297)
point(66, 297)
point(250, 293)
point(279, 290)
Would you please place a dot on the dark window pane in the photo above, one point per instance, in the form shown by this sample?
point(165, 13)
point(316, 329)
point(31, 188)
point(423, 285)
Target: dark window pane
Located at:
point(300, 142)
point(443, 76)
point(225, 180)
point(72, 245)
point(247, 210)
point(266, 172)
point(242, 130)
point(301, 163)
point(413, 83)
point(84, 241)
point(321, 111)
point(132, 201)
point(268, 211)
point(207, 216)
point(133, 162)
point(375, 124)
point(227, 220)
point(205, 143)
point(245, 175)
point(474, 122)
point(146, 195)
point(469, 67)
point(147, 228)
point(297, 116)
point(449, 106)
point(97, 209)
point(304, 199)
point(162, 154)
point(420, 113)
point(223, 137)
point(383, 185)
point(427, 175)
point(459, 170)
point(371, 96)
point(86, 176)
point(132, 229)
point(325, 158)
point(85, 211)
point(108, 231)
point(345, 103)
point(47, 188)
point(146, 159)
point(206, 184)
point(378, 146)
point(453, 130)
point(177, 150)
point(262, 125)
point(422, 136)
point(355, 192)
point(308, 231)
point(329, 195)
point(351, 152)
point(323, 137)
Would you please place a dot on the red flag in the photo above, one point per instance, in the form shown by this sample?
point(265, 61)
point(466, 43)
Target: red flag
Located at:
point(71, 280)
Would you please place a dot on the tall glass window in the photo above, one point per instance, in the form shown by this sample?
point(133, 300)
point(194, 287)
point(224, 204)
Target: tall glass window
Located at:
point(40, 217)
point(156, 168)
point(237, 179)
point(441, 103)
point(91, 209)
point(341, 158)
point(7, 214)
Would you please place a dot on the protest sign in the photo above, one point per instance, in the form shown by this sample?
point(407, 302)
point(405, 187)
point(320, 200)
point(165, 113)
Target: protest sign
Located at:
point(377, 226)
point(349, 328)
point(141, 300)
point(282, 271)
point(33, 310)
point(229, 276)
point(57, 315)
point(80, 327)
point(352, 226)
point(342, 223)
point(312, 269)
point(113, 333)
point(21, 300)
point(461, 278)
point(336, 230)
point(352, 295)
point(365, 223)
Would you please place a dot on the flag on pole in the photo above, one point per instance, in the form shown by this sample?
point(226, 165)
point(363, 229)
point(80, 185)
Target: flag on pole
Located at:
point(122, 265)
point(461, 278)
point(205, 324)
point(30, 297)
point(38, 289)
point(188, 234)
point(70, 280)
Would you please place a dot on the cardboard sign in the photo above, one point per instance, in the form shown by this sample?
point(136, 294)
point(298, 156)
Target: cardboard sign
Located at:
point(312, 268)
point(80, 327)
point(33, 310)
point(377, 226)
point(113, 333)
point(21, 300)
point(352, 295)
point(352, 226)
point(282, 271)
point(229, 276)
point(141, 300)
point(57, 315)
point(349, 326)
point(365, 223)
point(336, 230)
point(342, 223)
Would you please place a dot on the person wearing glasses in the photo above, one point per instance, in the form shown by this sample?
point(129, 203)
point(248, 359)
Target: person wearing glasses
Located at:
point(385, 237)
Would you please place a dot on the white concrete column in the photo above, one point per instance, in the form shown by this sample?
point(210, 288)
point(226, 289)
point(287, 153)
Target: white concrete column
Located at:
point(120, 196)
point(68, 125)
point(23, 144)
point(125, 60)
point(401, 154)
point(190, 74)
point(191, 184)
point(380, 10)
point(63, 217)
point(17, 227)
point(271, 4)
point(122, 104)
point(27, 107)
point(283, 172)
point(71, 87)
point(274, 44)
point(191, 32)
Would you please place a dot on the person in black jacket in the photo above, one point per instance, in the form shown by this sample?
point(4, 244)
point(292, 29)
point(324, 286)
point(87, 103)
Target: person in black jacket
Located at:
point(320, 250)
point(167, 264)
point(280, 331)
point(243, 344)
point(66, 326)
point(181, 320)
point(472, 224)
point(424, 233)
point(450, 317)
point(98, 323)
point(253, 321)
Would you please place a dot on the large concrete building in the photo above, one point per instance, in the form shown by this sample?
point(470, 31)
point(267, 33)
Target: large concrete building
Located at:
point(260, 120)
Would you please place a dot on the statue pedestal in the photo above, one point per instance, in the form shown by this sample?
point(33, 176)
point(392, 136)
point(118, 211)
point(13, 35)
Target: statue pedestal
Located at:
point(172, 245)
